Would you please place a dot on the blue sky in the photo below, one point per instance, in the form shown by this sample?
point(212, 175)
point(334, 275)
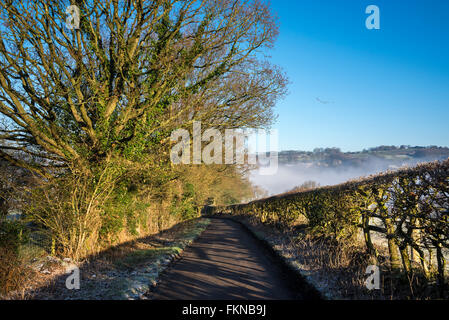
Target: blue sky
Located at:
point(385, 87)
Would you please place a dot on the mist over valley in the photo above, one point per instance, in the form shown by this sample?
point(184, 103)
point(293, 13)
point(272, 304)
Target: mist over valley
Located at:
point(331, 166)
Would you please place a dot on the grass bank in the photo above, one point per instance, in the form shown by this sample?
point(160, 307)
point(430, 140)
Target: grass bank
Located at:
point(124, 272)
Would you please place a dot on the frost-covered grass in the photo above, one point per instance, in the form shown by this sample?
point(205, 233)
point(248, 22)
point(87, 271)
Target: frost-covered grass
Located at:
point(124, 272)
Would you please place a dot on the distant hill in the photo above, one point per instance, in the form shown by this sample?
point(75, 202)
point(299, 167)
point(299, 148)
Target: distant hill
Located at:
point(391, 156)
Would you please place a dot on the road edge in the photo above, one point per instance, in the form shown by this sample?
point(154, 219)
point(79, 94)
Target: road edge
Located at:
point(310, 291)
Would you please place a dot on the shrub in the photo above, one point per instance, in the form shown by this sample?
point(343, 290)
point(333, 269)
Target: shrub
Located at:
point(68, 210)
point(13, 274)
point(13, 234)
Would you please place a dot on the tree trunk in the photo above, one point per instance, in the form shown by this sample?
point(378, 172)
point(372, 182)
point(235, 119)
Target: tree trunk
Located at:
point(441, 269)
point(369, 244)
point(392, 246)
point(405, 259)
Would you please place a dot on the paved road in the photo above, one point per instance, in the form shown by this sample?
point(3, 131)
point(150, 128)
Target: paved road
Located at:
point(227, 263)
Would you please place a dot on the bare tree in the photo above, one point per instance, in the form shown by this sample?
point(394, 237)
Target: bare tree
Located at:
point(130, 73)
